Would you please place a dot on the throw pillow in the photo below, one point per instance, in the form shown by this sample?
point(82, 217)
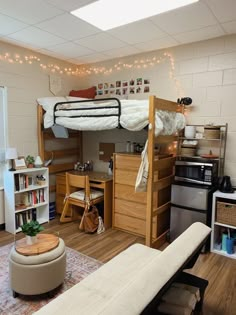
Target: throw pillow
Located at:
point(87, 93)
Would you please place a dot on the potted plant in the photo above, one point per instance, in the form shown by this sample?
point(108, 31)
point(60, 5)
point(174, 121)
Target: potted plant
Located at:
point(31, 229)
point(30, 161)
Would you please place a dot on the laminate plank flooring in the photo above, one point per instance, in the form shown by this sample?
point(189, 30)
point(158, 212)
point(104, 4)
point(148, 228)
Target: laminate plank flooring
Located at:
point(220, 271)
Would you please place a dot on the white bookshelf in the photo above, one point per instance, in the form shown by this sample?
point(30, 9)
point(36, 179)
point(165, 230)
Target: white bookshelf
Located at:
point(26, 198)
point(217, 226)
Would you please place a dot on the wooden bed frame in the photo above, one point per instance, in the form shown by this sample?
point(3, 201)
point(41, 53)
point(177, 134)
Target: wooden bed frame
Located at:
point(63, 158)
point(159, 170)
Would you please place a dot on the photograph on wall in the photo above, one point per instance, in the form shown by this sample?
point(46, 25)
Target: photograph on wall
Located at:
point(106, 85)
point(132, 90)
point(118, 92)
point(125, 91)
point(112, 85)
point(125, 83)
point(146, 81)
point(131, 82)
point(146, 89)
point(112, 92)
point(139, 81)
point(106, 92)
point(118, 84)
point(100, 92)
point(138, 89)
point(100, 86)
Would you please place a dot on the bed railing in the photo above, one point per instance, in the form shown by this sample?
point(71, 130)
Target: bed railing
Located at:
point(115, 106)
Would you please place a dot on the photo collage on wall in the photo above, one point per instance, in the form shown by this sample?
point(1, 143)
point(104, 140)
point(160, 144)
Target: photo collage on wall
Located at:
point(124, 87)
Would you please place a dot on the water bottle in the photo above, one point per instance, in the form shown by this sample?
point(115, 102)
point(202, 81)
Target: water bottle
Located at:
point(128, 146)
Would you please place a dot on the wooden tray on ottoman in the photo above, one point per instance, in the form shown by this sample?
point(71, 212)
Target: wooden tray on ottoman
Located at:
point(45, 243)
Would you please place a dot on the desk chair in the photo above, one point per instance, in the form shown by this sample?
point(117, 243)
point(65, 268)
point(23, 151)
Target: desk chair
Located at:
point(78, 193)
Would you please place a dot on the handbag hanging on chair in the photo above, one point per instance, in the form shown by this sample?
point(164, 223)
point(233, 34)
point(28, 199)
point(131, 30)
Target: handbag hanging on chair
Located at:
point(89, 221)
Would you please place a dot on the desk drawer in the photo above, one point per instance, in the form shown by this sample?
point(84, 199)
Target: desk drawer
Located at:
point(127, 223)
point(127, 193)
point(61, 189)
point(61, 179)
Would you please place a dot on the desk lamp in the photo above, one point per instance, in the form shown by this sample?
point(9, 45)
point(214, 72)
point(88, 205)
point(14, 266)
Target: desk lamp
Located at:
point(11, 154)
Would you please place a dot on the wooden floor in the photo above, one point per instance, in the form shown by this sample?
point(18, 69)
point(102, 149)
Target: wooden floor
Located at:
point(220, 297)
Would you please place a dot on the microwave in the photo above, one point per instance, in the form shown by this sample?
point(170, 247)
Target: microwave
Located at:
point(204, 173)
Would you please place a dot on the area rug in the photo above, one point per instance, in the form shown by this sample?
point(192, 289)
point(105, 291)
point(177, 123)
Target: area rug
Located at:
point(78, 267)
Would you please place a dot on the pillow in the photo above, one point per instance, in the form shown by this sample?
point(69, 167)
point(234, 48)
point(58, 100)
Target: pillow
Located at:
point(87, 93)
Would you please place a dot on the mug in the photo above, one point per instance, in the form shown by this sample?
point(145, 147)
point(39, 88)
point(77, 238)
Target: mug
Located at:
point(189, 132)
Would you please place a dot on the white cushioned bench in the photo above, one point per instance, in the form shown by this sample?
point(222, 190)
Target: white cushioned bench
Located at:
point(130, 281)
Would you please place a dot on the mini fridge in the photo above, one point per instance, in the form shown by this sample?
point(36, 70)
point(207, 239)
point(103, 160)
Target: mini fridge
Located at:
point(189, 203)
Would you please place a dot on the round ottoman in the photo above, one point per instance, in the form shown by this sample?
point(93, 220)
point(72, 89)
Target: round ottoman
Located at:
point(37, 274)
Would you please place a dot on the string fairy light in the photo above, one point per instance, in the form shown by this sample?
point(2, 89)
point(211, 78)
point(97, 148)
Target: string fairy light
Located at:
point(80, 71)
point(141, 63)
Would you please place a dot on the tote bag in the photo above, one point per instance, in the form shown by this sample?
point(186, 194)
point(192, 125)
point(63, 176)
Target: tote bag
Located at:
point(142, 177)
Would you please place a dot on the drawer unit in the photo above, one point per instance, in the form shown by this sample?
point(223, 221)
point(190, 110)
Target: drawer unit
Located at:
point(129, 207)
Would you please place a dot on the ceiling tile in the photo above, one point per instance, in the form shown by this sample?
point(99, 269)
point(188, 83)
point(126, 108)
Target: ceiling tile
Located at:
point(224, 10)
point(121, 52)
point(186, 19)
point(230, 27)
point(37, 37)
point(137, 32)
point(88, 59)
point(71, 50)
point(28, 11)
point(9, 25)
point(69, 5)
point(101, 42)
point(157, 44)
point(198, 35)
point(68, 27)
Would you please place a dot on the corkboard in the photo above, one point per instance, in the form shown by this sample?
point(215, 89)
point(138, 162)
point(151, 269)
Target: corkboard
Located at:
point(106, 151)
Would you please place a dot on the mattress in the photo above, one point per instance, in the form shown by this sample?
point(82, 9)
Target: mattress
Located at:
point(133, 117)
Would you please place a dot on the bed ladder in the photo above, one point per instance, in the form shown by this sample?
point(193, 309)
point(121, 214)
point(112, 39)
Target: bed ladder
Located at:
point(160, 178)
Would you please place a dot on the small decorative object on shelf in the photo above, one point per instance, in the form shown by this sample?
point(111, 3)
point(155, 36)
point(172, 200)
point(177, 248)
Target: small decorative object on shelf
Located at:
point(11, 154)
point(30, 161)
point(40, 180)
point(38, 161)
point(31, 229)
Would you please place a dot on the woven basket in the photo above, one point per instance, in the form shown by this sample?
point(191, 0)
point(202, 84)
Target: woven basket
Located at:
point(226, 213)
point(212, 132)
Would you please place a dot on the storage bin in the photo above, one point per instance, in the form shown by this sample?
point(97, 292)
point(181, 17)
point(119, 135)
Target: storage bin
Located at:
point(52, 207)
point(212, 132)
point(226, 213)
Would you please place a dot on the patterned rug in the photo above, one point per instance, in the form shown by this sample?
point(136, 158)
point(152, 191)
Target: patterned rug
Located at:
point(78, 267)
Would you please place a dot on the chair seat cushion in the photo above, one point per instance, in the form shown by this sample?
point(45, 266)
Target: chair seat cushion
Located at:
point(80, 194)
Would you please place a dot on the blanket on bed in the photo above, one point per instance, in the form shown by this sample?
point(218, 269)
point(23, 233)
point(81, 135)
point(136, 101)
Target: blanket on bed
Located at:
point(134, 115)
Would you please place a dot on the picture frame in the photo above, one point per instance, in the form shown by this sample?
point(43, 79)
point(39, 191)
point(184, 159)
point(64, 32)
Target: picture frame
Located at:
point(19, 163)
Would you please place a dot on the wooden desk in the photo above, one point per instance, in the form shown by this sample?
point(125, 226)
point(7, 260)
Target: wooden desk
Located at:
point(97, 180)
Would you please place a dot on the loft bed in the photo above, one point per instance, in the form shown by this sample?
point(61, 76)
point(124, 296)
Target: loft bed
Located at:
point(164, 118)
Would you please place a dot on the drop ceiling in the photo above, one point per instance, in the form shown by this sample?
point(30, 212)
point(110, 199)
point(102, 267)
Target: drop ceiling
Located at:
point(49, 28)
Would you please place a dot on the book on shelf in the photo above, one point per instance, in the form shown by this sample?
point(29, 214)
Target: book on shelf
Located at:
point(25, 217)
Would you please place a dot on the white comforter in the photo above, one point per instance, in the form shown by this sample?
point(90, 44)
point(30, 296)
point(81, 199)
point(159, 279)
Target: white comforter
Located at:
point(134, 116)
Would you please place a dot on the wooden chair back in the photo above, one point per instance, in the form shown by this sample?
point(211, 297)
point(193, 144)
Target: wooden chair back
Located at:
point(77, 182)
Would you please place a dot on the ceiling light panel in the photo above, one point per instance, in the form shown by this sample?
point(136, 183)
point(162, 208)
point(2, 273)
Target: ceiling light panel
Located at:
point(108, 14)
